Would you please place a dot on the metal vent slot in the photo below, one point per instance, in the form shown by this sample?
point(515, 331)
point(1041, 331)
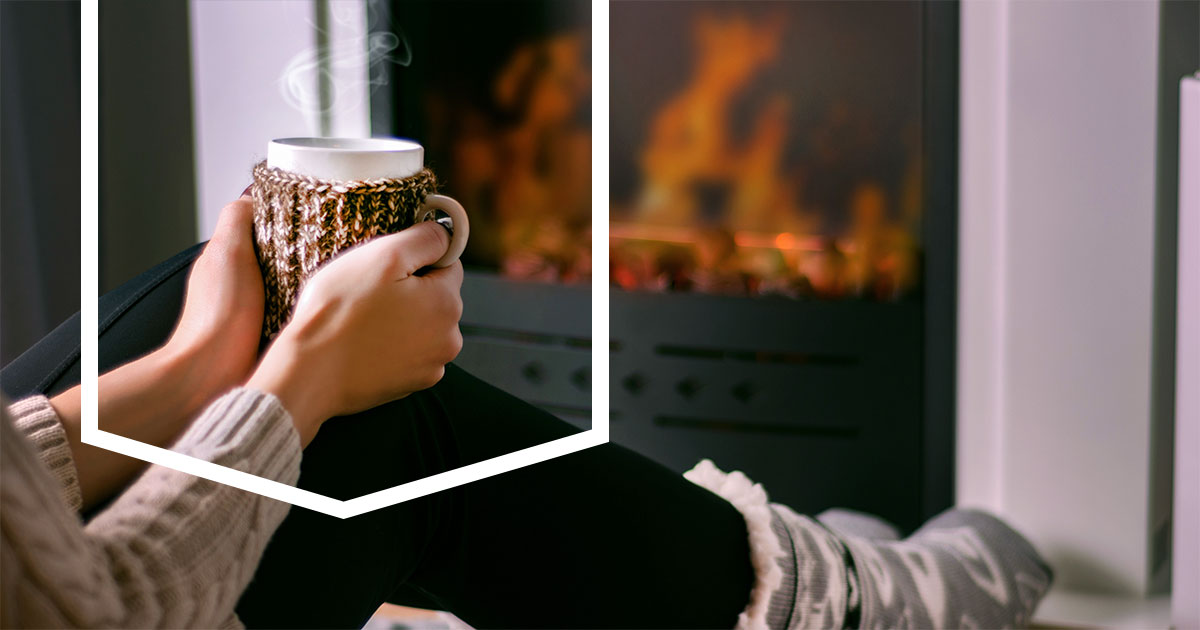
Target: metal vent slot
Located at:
point(743, 426)
point(523, 336)
point(756, 356)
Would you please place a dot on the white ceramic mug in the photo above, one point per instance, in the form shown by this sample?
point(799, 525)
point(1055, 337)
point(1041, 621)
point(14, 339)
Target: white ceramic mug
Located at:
point(351, 159)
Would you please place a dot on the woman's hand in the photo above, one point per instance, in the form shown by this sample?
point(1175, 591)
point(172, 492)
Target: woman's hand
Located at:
point(214, 346)
point(217, 337)
point(367, 329)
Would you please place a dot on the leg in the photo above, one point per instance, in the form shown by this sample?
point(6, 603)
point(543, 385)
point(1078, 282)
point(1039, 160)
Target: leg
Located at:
point(598, 538)
point(602, 538)
point(962, 569)
point(133, 319)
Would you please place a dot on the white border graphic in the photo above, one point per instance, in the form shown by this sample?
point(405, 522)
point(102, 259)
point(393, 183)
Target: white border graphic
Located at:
point(91, 433)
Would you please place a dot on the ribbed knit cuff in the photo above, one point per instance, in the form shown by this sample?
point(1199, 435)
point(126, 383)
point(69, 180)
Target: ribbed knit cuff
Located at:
point(37, 420)
point(246, 430)
point(750, 499)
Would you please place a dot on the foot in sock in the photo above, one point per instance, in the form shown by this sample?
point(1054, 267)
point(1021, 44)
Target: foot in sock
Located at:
point(962, 569)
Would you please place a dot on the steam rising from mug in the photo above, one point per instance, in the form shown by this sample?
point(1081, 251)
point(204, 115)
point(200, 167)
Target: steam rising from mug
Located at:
point(300, 82)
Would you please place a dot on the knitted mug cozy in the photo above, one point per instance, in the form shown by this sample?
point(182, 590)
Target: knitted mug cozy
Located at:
point(302, 222)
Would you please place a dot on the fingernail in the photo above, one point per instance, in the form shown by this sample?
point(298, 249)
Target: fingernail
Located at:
point(247, 191)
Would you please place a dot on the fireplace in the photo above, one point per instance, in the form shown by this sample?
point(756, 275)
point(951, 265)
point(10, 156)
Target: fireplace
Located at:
point(782, 235)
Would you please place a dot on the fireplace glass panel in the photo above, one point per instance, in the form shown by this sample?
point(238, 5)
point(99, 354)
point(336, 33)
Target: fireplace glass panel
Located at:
point(499, 93)
point(766, 148)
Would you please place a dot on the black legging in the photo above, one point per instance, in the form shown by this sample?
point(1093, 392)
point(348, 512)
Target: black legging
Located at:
point(599, 538)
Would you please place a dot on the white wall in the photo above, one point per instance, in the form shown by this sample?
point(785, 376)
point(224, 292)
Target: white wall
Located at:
point(241, 50)
point(1056, 277)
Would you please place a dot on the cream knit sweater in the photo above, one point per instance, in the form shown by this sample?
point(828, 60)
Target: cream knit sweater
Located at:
point(171, 551)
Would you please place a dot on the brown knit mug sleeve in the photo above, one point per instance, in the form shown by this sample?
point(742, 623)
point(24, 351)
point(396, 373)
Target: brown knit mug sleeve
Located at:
point(301, 222)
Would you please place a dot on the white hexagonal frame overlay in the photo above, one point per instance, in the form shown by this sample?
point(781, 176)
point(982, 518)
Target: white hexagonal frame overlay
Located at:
point(89, 284)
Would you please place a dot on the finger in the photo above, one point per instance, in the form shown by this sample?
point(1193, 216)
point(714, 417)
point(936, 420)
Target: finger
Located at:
point(418, 246)
point(452, 275)
point(445, 287)
point(235, 225)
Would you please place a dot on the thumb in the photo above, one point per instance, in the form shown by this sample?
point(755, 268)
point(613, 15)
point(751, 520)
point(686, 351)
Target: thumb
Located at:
point(416, 247)
point(235, 223)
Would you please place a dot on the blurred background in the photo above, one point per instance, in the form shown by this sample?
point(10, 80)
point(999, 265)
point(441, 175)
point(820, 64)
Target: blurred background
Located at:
point(502, 101)
point(887, 255)
point(39, 163)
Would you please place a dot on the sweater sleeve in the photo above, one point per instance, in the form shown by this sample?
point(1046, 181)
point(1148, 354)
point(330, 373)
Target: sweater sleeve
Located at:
point(37, 420)
point(173, 550)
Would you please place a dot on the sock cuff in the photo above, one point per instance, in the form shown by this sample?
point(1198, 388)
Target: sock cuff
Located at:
point(750, 499)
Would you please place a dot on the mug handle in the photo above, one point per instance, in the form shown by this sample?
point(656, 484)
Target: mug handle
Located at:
point(460, 227)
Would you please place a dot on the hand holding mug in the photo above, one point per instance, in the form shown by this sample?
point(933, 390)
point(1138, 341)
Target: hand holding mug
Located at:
point(342, 227)
point(217, 336)
point(315, 197)
point(367, 329)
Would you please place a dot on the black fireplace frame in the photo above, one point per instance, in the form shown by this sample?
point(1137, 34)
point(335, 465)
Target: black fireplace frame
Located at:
point(939, 124)
point(534, 339)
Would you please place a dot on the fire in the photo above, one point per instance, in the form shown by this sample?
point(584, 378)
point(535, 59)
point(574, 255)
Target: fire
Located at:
point(527, 179)
point(748, 180)
point(725, 213)
point(690, 141)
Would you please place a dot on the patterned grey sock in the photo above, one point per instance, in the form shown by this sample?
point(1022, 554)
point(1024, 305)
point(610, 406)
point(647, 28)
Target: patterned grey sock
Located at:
point(962, 569)
point(854, 523)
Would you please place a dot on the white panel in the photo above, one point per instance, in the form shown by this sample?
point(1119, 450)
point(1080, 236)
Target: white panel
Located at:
point(1056, 247)
point(1082, 98)
point(240, 50)
point(981, 223)
point(1186, 561)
